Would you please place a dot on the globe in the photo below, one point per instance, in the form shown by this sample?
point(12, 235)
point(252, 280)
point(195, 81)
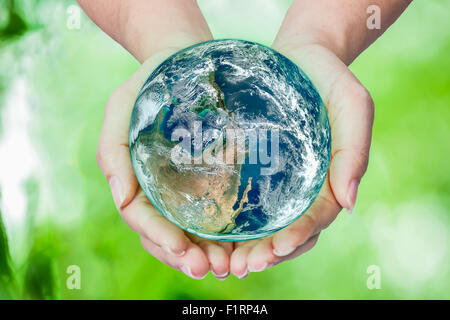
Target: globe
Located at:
point(229, 140)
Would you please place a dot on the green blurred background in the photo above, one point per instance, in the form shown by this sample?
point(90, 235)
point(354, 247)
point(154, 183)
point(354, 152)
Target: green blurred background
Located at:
point(56, 208)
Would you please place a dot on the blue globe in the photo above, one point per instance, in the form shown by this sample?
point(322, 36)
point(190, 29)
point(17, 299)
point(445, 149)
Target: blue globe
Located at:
point(230, 140)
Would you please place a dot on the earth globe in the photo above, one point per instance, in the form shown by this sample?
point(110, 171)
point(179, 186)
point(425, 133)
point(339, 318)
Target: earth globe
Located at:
point(230, 140)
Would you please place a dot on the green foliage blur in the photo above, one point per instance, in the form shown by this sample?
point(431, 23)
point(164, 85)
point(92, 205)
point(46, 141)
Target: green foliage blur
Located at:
point(56, 209)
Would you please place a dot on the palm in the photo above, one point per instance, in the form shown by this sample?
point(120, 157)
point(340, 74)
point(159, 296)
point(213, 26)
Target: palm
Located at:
point(350, 112)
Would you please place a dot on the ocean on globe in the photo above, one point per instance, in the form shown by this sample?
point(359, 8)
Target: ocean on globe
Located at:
point(230, 140)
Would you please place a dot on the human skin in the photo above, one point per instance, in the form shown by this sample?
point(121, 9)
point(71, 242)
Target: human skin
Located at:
point(323, 37)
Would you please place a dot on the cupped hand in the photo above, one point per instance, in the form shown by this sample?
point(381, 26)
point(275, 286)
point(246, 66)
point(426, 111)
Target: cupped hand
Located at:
point(165, 241)
point(350, 111)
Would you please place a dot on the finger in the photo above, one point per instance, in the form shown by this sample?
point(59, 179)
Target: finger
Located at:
point(113, 155)
point(308, 245)
point(218, 258)
point(322, 212)
point(261, 256)
point(238, 260)
point(351, 112)
point(227, 246)
point(157, 252)
point(194, 263)
point(143, 218)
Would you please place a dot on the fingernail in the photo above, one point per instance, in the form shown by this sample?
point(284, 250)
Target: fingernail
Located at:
point(283, 253)
point(242, 276)
point(222, 278)
point(351, 195)
point(169, 251)
point(263, 267)
point(220, 275)
point(187, 271)
point(117, 191)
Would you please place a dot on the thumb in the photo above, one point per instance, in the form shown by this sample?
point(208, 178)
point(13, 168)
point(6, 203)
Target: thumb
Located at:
point(113, 155)
point(351, 112)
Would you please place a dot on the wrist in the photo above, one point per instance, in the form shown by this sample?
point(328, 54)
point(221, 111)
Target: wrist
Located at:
point(340, 26)
point(153, 27)
point(329, 24)
point(334, 42)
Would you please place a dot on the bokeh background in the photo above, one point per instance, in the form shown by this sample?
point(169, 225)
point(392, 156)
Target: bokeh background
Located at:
point(56, 209)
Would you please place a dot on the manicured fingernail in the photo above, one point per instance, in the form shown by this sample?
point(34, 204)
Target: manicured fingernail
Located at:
point(220, 275)
point(351, 195)
point(242, 276)
point(187, 271)
point(170, 251)
point(282, 253)
point(263, 267)
point(117, 191)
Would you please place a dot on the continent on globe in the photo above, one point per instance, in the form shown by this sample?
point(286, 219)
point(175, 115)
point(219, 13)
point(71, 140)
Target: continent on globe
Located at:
point(230, 140)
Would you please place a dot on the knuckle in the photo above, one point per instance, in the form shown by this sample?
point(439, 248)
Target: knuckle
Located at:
point(116, 95)
point(293, 234)
point(99, 156)
point(315, 239)
point(299, 231)
point(309, 221)
point(143, 242)
point(361, 156)
point(362, 95)
point(145, 227)
point(110, 102)
point(178, 246)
